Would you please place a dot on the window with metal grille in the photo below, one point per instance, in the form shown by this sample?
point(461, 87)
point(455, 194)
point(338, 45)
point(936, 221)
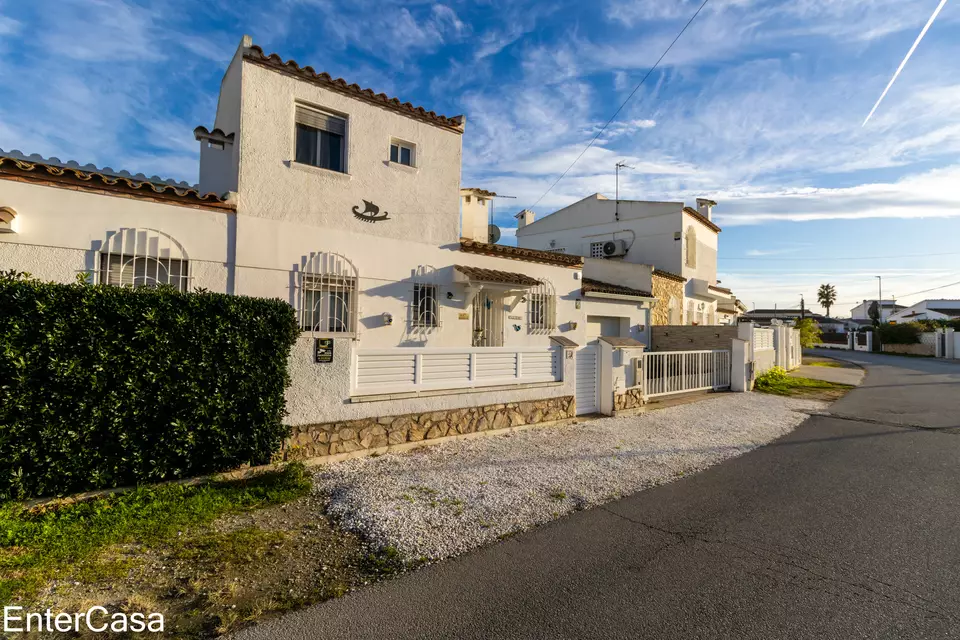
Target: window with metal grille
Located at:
point(596, 249)
point(541, 308)
point(328, 295)
point(402, 153)
point(142, 258)
point(425, 312)
point(320, 139)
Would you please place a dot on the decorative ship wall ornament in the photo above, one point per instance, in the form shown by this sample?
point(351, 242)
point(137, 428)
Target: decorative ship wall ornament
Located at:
point(370, 213)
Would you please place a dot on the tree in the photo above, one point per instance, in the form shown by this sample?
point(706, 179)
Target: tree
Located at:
point(874, 313)
point(809, 332)
point(826, 296)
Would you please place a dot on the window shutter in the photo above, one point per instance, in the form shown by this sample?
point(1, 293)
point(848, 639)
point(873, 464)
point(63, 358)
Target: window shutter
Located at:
point(322, 121)
point(551, 312)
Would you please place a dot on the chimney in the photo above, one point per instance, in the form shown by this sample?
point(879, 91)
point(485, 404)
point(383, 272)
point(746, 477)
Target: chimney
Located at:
point(524, 218)
point(705, 207)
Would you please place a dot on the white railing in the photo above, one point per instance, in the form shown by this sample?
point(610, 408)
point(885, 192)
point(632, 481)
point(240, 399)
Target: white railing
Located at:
point(762, 339)
point(667, 372)
point(401, 369)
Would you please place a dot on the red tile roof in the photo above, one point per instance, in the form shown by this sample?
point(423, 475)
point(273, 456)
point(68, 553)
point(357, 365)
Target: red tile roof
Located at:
point(52, 172)
point(596, 286)
point(494, 275)
point(273, 61)
point(668, 275)
point(517, 253)
point(696, 214)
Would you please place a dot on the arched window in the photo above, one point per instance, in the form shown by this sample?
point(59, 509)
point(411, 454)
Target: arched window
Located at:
point(691, 247)
point(142, 258)
point(542, 308)
point(328, 295)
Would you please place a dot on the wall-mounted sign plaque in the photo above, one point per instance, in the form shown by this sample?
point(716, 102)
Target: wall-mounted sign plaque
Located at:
point(323, 350)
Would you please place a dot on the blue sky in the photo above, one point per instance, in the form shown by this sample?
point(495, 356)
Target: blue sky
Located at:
point(758, 106)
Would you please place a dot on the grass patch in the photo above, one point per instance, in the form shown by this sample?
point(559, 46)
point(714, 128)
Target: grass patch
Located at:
point(824, 363)
point(42, 544)
point(777, 382)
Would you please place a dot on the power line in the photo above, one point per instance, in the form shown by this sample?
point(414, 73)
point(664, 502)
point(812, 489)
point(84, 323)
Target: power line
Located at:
point(614, 116)
point(907, 295)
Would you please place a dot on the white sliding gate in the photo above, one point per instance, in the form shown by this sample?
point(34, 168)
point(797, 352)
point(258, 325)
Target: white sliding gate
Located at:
point(667, 372)
point(587, 380)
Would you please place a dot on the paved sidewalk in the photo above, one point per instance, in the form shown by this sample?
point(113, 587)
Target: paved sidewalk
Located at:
point(841, 375)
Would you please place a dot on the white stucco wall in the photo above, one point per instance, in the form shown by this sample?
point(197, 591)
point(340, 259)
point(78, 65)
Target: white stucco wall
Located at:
point(707, 243)
point(270, 253)
point(58, 231)
point(422, 202)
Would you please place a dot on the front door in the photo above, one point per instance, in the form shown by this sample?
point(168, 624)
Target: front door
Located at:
point(488, 319)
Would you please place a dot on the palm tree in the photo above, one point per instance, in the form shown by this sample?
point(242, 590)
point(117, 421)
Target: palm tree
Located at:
point(826, 296)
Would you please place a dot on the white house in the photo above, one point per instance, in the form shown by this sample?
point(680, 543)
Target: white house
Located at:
point(942, 309)
point(861, 312)
point(667, 237)
point(347, 204)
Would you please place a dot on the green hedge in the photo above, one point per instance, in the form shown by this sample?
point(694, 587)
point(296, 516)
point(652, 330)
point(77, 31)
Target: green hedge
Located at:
point(908, 333)
point(104, 386)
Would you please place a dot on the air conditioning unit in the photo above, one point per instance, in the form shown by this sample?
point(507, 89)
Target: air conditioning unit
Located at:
point(614, 248)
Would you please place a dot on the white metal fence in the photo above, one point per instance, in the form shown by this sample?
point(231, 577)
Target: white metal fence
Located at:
point(667, 372)
point(762, 339)
point(415, 369)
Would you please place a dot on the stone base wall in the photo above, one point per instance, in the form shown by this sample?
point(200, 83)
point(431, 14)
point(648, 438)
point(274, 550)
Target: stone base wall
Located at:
point(912, 349)
point(630, 399)
point(312, 441)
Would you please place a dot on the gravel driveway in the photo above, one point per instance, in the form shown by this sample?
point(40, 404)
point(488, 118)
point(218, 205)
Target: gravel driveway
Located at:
point(447, 499)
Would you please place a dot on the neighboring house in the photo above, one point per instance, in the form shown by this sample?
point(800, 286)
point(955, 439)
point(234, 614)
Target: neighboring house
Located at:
point(347, 204)
point(766, 317)
point(942, 309)
point(668, 236)
point(730, 312)
point(861, 312)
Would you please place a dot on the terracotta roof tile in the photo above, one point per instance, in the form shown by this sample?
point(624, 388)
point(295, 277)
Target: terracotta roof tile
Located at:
point(480, 192)
point(720, 289)
point(622, 343)
point(201, 133)
point(273, 61)
point(564, 342)
point(517, 253)
point(493, 275)
point(16, 166)
point(590, 285)
point(668, 275)
point(696, 214)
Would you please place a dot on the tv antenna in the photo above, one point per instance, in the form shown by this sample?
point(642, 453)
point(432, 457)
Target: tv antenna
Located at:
point(620, 165)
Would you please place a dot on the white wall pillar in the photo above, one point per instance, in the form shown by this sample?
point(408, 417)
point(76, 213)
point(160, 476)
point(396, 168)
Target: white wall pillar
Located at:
point(740, 374)
point(951, 346)
point(605, 377)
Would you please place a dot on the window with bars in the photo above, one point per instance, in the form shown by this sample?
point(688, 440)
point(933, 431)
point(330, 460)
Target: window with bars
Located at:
point(328, 295)
point(596, 249)
point(403, 153)
point(142, 258)
point(425, 305)
point(320, 139)
point(541, 308)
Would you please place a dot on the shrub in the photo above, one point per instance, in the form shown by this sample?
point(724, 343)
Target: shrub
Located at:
point(106, 386)
point(770, 378)
point(908, 333)
point(809, 332)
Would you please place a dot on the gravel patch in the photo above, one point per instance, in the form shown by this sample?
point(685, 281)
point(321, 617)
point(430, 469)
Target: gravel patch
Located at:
point(446, 499)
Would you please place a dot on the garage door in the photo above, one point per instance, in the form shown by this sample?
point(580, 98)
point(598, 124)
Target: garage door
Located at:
point(602, 326)
point(586, 392)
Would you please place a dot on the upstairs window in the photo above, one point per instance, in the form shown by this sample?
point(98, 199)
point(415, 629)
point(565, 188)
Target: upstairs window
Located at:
point(142, 258)
point(320, 139)
point(402, 153)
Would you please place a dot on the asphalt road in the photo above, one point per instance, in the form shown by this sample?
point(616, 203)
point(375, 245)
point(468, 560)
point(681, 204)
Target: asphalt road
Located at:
point(847, 528)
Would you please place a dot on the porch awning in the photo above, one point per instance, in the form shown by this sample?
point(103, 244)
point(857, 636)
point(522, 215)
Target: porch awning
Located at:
point(478, 275)
point(711, 292)
point(590, 285)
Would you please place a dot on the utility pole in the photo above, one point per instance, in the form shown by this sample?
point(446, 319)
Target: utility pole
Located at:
point(620, 165)
point(880, 301)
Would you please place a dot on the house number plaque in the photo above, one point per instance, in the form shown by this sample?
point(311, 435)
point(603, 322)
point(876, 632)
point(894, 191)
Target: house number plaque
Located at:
point(323, 350)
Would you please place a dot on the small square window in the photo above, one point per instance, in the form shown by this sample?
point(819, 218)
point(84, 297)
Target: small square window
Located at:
point(402, 153)
point(320, 139)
